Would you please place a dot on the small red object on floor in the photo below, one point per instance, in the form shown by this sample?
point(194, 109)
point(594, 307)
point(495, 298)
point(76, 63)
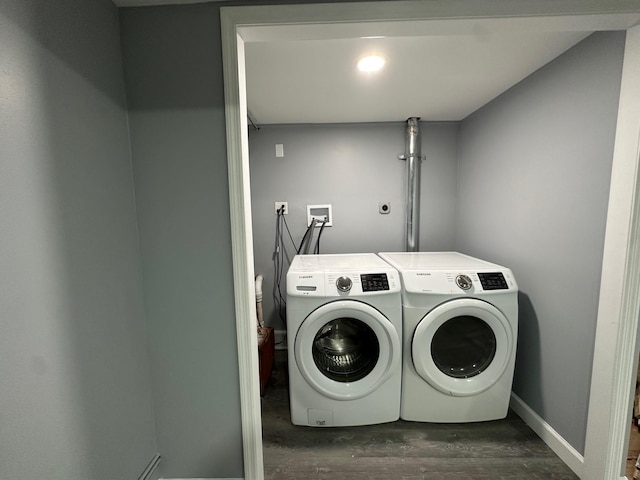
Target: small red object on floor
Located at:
point(266, 353)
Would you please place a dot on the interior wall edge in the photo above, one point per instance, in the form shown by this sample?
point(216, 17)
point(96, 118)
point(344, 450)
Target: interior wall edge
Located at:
point(177, 123)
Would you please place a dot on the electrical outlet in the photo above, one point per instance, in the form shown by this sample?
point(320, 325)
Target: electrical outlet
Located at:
point(384, 207)
point(282, 204)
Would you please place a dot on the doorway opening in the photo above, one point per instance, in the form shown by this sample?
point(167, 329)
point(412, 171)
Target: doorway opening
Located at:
point(615, 341)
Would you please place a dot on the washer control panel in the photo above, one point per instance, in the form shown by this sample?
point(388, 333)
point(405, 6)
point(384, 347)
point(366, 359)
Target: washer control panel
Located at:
point(374, 282)
point(343, 283)
point(493, 281)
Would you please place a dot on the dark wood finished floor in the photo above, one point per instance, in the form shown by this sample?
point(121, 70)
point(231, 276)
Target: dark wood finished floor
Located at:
point(501, 450)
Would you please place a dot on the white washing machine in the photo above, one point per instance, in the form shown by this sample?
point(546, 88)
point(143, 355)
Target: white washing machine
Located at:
point(460, 330)
point(344, 325)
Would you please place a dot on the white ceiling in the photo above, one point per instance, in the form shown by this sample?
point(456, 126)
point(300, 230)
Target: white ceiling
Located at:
point(304, 71)
point(432, 77)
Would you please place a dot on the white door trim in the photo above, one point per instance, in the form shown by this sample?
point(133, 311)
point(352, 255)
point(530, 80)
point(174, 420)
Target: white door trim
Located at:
point(242, 247)
point(618, 311)
point(615, 357)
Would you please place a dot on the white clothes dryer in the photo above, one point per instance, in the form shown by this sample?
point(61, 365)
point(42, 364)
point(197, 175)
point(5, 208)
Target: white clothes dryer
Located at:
point(344, 324)
point(460, 329)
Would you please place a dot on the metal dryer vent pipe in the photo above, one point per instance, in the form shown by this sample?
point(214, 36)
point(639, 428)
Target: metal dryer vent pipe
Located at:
point(413, 157)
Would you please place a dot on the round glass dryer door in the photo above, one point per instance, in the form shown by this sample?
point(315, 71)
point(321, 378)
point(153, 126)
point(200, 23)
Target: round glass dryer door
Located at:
point(462, 347)
point(346, 349)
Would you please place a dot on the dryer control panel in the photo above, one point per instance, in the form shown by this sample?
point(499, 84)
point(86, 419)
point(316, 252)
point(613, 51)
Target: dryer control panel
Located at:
point(459, 282)
point(493, 281)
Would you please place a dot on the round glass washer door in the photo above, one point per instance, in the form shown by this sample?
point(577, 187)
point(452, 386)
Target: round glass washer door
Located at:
point(346, 349)
point(462, 347)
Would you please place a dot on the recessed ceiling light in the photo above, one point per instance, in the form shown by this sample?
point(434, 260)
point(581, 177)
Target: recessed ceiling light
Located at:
point(371, 63)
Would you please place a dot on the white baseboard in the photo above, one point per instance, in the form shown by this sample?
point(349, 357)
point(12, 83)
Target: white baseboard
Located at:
point(555, 441)
point(148, 473)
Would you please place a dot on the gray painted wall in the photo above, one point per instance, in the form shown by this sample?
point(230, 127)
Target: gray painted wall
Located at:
point(353, 167)
point(75, 393)
point(173, 71)
point(534, 176)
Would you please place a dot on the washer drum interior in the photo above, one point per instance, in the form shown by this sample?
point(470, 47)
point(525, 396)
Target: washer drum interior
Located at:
point(345, 350)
